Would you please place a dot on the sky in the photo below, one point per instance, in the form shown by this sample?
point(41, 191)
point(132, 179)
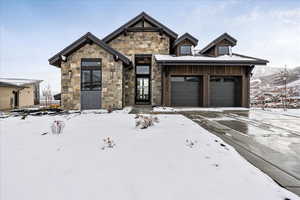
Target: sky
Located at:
point(32, 31)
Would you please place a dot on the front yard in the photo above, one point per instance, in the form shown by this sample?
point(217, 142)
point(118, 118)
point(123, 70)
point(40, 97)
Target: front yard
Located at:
point(174, 159)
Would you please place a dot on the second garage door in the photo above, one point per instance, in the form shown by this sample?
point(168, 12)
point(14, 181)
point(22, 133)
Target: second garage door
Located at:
point(224, 91)
point(185, 91)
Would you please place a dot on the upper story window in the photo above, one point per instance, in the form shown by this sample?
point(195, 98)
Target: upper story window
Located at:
point(223, 50)
point(185, 50)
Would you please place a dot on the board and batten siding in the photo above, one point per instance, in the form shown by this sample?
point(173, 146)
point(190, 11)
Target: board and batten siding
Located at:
point(205, 72)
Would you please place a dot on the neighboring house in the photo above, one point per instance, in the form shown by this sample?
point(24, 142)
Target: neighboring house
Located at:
point(18, 93)
point(144, 62)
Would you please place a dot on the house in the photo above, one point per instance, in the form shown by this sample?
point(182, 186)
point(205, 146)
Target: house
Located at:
point(144, 62)
point(18, 93)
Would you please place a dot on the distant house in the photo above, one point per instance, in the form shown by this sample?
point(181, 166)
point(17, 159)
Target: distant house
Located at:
point(143, 62)
point(18, 93)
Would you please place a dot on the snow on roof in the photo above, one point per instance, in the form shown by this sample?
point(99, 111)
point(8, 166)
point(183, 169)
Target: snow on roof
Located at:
point(18, 81)
point(199, 58)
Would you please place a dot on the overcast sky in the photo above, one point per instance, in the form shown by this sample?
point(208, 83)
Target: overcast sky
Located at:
point(34, 30)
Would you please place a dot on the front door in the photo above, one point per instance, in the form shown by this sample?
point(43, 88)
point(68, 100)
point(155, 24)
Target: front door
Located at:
point(142, 92)
point(91, 80)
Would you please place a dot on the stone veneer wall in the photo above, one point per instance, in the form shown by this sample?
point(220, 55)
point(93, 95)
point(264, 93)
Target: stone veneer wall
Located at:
point(142, 43)
point(112, 77)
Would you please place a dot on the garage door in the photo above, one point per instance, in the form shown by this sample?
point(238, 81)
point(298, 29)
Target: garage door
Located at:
point(224, 91)
point(185, 91)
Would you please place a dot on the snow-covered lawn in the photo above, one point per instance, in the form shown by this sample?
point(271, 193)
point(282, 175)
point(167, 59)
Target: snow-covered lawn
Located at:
point(174, 159)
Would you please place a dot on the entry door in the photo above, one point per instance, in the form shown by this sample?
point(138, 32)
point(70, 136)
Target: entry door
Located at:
point(16, 99)
point(142, 93)
point(91, 79)
point(142, 90)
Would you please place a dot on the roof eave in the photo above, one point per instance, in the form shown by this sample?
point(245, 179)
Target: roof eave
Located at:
point(209, 62)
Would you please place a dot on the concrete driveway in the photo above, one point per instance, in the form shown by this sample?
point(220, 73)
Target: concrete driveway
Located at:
point(270, 141)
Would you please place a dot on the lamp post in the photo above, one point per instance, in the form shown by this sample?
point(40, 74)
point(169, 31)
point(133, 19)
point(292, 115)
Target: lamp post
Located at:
point(284, 75)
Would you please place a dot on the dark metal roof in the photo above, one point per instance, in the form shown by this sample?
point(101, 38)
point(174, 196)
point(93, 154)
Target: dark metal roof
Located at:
point(88, 37)
point(253, 61)
point(224, 36)
point(3, 84)
point(188, 37)
point(141, 16)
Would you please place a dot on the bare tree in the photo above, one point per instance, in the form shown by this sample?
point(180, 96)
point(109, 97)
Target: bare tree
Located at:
point(47, 95)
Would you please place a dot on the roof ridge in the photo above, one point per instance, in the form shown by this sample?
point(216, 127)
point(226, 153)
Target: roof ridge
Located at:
point(144, 15)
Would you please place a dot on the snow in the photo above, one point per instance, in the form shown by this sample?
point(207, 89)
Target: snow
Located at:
point(161, 57)
point(18, 82)
point(181, 109)
point(281, 111)
point(154, 163)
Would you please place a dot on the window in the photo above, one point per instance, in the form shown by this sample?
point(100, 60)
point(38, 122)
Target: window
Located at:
point(185, 50)
point(223, 50)
point(142, 69)
point(90, 74)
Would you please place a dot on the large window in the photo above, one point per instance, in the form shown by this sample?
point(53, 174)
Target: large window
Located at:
point(90, 74)
point(223, 50)
point(185, 50)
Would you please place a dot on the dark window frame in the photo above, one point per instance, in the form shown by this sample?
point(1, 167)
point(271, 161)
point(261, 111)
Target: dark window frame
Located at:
point(91, 70)
point(148, 76)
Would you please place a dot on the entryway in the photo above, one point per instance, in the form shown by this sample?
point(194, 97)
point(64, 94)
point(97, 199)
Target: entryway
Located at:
point(142, 77)
point(91, 79)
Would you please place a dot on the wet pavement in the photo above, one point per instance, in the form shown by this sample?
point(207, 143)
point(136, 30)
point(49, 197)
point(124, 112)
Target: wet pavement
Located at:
point(271, 137)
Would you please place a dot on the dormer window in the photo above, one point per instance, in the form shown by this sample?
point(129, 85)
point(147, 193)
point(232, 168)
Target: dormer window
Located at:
point(185, 50)
point(223, 50)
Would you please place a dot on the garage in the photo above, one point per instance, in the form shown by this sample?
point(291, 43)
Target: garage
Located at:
point(225, 91)
point(186, 90)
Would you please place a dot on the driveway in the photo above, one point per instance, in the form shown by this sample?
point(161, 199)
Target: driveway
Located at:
point(270, 141)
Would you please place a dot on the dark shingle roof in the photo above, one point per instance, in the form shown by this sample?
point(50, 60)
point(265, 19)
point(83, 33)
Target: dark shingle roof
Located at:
point(141, 16)
point(55, 60)
point(224, 36)
point(188, 37)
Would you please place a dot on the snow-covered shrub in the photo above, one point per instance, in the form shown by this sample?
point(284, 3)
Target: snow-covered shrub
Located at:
point(57, 127)
point(190, 143)
point(108, 143)
point(143, 121)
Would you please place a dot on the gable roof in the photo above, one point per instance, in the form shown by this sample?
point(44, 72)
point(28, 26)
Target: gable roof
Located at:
point(224, 36)
point(142, 16)
point(188, 37)
point(88, 37)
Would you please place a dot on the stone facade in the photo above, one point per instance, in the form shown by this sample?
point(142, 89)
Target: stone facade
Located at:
point(112, 78)
point(142, 43)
